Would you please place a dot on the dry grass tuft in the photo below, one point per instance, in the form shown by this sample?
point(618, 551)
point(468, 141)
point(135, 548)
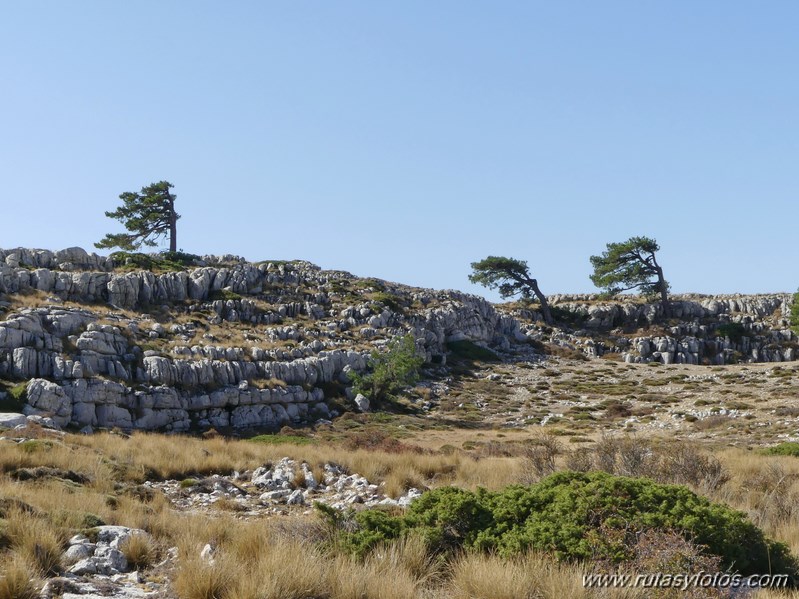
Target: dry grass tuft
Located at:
point(36, 541)
point(17, 580)
point(197, 579)
point(139, 550)
point(532, 576)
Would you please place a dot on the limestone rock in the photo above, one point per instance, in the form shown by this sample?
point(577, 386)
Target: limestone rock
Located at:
point(362, 403)
point(11, 420)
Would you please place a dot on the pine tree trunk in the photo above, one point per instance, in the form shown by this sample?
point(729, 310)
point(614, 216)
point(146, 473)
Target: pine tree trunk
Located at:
point(664, 294)
point(544, 304)
point(173, 230)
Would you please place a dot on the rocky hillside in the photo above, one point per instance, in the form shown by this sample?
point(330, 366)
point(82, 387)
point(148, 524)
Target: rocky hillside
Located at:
point(141, 342)
point(226, 343)
point(702, 329)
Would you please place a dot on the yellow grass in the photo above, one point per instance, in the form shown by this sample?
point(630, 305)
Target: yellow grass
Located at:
point(18, 580)
point(286, 556)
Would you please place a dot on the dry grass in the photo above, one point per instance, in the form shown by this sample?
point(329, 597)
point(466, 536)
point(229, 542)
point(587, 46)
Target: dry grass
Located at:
point(292, 550)
point(258, 562)
point(18, 580)
point(197, 579)
point(533, 576)
point(139, 550)
point(36, 541)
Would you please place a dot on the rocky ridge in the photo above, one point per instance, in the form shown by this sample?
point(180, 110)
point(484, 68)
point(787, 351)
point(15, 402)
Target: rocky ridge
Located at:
point(302, 330)
point(702, 329)
point(229, 343)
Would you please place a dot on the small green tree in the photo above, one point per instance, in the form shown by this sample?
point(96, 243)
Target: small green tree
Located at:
point(511, 277)
point(631, 265)
point(389, 371)
point(148, 216)
point(795, 313)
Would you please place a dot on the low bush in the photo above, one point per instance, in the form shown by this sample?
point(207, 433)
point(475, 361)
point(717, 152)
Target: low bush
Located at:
point(568, 316)
point(790, 448)
point(390, 370)
point(224, 295)
point(165, 261)
point(15, 396)
point(577, 516)
point(469, 350)
point(393, 302)
point(734, 330)
point(282, 440)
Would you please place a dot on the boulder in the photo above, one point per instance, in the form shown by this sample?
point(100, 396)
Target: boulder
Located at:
point(362, 403)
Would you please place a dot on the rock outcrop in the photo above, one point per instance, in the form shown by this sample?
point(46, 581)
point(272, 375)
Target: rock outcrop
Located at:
point(230, 343)
point(304, 329)
point(700, 330)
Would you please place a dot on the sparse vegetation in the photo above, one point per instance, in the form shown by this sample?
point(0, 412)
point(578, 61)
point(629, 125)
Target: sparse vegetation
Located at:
point(17, 580)
point(161, 262)
point(15, 396)
point(790, 448)
point(734, 330)
point(469, 350)
point(467, 435)
point(794, 317)
point(390, 371)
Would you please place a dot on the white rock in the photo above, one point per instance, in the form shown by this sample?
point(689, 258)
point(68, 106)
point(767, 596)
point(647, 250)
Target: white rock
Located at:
point(296, 498)
point(310, 479)
point(43, 421)
point(409, 496)
point(78, 540)
point(208, 552)
point(75, 553)
point(114, 535)
point(273, 496)
point(11, 420)
point(110, 560)
point(84, 567)
point(362, 403)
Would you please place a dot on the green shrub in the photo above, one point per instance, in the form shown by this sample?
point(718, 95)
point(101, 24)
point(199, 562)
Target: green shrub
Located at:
point(389, 300)
point(165, 261)
point(449, 517)
point(223, 294)
point(16, 396)
point(390, 370)
point(734, 330)
point(34, 445)
point(570, 317)
point(281, 439)
point(790, 448)
point(89, 520)
point(365, 284)
point(583, 516)
point(469, 350)
point(180, 257)
point(795, 313)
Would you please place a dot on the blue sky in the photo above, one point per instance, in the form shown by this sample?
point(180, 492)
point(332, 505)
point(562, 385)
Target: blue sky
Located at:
point(405, 140)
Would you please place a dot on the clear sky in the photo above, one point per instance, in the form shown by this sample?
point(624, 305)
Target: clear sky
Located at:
point(404, 140)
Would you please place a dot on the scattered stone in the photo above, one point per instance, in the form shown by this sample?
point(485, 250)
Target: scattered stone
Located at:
point(208, 552)
point(12, 420)
point(362, 403)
